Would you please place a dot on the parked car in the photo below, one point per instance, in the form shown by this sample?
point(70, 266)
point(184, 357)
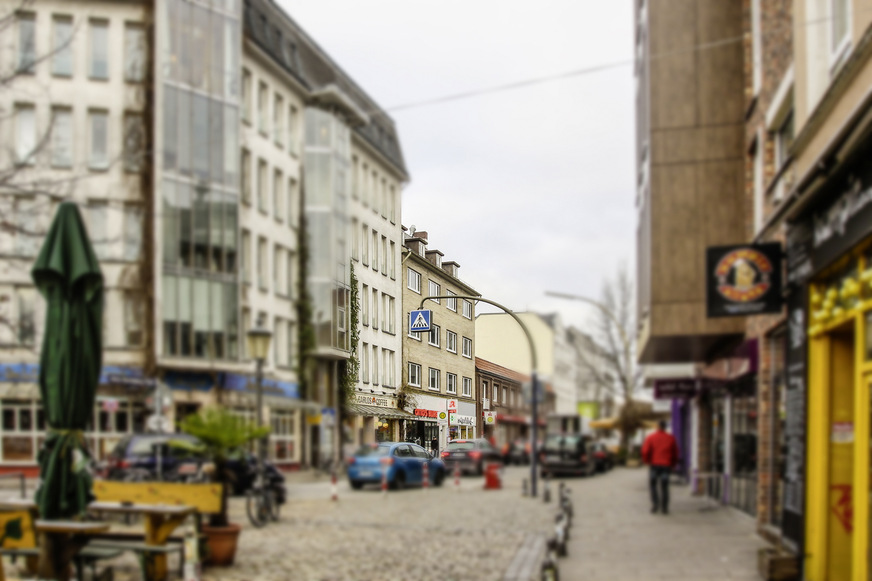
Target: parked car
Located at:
point(568, 454)
point(517, 452)
point(135, 458)
point(404, 463)
point(603, 457)
point(470, 455)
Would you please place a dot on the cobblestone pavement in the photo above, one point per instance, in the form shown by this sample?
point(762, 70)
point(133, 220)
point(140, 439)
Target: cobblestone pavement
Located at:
point(616, 538)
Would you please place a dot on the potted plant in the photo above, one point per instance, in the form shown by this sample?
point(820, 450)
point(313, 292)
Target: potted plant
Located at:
point(220, 433)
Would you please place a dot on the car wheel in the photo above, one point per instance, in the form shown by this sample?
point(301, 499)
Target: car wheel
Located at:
point(399, 482)
point(356, 484)
point(439, 478)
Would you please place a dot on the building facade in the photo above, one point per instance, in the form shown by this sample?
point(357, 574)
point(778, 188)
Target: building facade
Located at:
point(439, 366)
point(505, 411)
point(185, 147)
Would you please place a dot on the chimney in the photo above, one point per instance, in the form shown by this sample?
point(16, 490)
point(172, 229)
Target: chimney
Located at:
point(451, 268)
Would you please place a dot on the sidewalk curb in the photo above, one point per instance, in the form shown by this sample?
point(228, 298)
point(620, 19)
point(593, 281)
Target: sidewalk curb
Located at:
point(527, 563)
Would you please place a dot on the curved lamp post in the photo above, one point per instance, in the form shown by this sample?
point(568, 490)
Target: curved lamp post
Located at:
point(257, 343)
point(533, 366)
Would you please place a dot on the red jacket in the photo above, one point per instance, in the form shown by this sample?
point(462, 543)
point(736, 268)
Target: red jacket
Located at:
point(660, 449)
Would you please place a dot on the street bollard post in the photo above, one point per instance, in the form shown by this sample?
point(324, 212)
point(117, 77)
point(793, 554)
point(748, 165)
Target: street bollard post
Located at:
point(425, 477)
point(334, 489)
point(546, 494)
point(384, 482)
point(457, 477)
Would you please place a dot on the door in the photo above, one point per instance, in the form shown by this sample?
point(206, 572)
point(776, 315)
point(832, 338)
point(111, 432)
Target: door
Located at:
point(840, 521)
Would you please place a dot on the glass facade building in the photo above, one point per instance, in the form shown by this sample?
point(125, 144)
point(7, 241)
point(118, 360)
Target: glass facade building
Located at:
point(199, 56)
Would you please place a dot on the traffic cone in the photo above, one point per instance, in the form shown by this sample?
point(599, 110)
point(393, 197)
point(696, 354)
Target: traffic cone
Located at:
point(425, 479)
point(334, 489)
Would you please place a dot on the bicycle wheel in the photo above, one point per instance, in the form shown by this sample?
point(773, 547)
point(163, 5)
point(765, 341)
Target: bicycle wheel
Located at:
point(275, 507)
point(257, 507)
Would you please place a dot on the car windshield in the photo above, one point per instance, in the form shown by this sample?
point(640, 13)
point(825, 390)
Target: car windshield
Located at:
point(561, 442)
point(373, 450)
point(461, 446)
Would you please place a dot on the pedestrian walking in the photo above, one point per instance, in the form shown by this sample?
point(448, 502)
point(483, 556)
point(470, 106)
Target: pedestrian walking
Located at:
point(660, 452)
point(434, 446)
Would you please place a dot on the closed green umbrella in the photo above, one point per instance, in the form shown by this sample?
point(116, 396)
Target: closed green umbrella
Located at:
point(68, 277)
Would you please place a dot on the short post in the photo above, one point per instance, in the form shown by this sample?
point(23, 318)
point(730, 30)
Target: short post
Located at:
point(546, 494)
point(334, 489)
point(457, 477)
point(384, 481)
point(425, 478)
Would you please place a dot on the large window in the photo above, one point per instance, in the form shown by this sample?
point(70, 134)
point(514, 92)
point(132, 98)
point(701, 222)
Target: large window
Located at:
point(364, 362)
point(434, 290)
point(134, 53)
point(278, 195)
point(375, 308)
point(467, 309)
point(451, 341)
point(262, 186)
point(414, 374)
point(433, 382)
point(374, 365)
point(262, 264)
point(467, 387)
point(278, 120)
point(364, 249)
point(262, 108)
point(246, 176)
point(246, 95)
point(25, 134)
point(26, 43)
point(451, 303)
point(62, 49)
point(414, 281)
point(467, 347)
point(99, 65)
point(99, 140)
point(62, 137)
point(283, 434)
point(134, 142)
point(435, 331)
point(451, 383)
point(364, 304)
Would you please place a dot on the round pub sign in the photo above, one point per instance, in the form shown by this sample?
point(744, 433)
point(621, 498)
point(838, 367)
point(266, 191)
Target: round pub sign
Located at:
point(743, 280)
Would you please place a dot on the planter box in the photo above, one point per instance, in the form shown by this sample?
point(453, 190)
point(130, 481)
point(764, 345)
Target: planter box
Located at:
point(777, 566)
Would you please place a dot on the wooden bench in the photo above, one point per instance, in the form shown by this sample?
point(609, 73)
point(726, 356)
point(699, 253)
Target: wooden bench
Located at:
point(165, 506)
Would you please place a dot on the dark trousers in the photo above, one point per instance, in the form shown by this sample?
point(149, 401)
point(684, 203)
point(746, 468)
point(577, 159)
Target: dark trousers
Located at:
point(659, 478)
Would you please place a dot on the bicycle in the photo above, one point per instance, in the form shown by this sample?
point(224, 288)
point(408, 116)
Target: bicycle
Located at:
point(261, 503)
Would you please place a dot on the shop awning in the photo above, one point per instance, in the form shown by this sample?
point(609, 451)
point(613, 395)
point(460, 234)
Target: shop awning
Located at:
point(604, 424)
point(373, 411)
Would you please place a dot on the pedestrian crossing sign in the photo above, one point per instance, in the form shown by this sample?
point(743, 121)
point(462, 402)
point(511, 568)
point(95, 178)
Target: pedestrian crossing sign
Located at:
point(419, 321)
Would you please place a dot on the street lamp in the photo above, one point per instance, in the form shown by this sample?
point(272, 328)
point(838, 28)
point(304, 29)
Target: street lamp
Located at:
point(257, 343)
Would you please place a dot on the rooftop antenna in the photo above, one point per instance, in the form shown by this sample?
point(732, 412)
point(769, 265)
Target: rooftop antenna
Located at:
point(412, 230)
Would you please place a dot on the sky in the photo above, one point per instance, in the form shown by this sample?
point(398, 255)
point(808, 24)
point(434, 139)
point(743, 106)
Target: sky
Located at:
point(531, 189)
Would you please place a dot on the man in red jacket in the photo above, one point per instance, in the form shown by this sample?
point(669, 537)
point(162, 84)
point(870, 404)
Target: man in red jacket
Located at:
point(660, 452)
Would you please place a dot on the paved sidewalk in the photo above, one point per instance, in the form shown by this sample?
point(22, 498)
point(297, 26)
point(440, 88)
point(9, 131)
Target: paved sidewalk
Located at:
point(614, 536)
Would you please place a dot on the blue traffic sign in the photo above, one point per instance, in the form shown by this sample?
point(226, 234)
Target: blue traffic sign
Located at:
point(419, 321)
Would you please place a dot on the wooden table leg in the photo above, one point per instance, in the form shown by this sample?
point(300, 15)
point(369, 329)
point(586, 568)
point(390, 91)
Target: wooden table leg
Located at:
point(56, 554)
point(158, 529)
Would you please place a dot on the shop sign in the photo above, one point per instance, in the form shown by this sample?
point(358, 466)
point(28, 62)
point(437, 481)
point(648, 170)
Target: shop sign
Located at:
point(110, 404)
point(426, 413)
point(743, 280)
point(490, 418)
point(459, 420)
point(675, 388)
point(381, 402)
point(452, 406)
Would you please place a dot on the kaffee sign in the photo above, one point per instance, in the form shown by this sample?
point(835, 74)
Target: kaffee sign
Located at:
point(743, 280)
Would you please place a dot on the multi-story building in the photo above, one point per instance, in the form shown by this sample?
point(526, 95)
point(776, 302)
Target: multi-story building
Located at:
point(805, 141)
point(181, 129)
point(439, 365)
point(505, 411)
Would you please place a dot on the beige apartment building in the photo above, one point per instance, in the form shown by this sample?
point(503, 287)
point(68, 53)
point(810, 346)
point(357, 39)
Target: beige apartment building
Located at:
point(439, 366)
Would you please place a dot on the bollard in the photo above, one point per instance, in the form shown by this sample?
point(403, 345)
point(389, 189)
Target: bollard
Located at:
point(425, 478)
point(334, 489)
point(549, 569)
point(524, 491)
point(384, 482)
point(457, 477)
point(546, 494)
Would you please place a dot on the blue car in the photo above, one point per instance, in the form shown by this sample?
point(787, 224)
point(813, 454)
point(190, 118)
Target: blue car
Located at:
point(404, 463)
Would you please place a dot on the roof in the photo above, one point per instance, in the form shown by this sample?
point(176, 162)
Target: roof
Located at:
point(500, 371)
point(279, 36)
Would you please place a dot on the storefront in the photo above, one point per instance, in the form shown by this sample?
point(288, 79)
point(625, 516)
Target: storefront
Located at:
point(432, 415)
point(375, 418)
point(462, 421)
point(830, 264)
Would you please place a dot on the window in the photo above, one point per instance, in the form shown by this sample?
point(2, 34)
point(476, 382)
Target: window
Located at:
point(278, 269)
point(245, 257)
point(262, 264)
point(413, 335)
point(393, 201)
point(414, 282)
point(289, 272)
point(26, 316)
point(134, 315)
point(292, 130)
point(62, 137)
point(467, 387)
point(364, 304)
point(99, 49)
point(134, 53)
point(375, 250)
point(484, 386)
point(262, 107)
point(355, 177)
point(246, 176)
point(433, 382)
point(364, 251)
point(278, 120)
point(783, 141)
point(364, 185)
point(292, 202)
point(505, 396)
point(282, 437)
point(134, 142)
point(98, 221)
point(25, 134)
point(132, 232)
point(434, 335)
point(246, 96)
point(451, 303)
point(840, 29)
point(392, 316)
point(384, 256)
point(393, 261)
point(29, 210)
point(451, 383)
point(374, 365)
point(414, 374)
point(278, 195)
point(99, 135)
point(374, 192)
point(467, 347)
point(496, 393)
point(374, 308)
point(355, 239)
point(62, 48)
point(467, 309)
point(262, 185)
point(434, 290)
point(451, 341)
point(364, 362)
point(26, 43)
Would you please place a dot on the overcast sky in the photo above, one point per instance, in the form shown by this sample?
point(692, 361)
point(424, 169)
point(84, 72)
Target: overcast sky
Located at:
point(529, 189)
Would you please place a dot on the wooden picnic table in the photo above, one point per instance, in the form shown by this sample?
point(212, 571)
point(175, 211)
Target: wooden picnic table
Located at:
point(160, 522)
point(60, 541)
